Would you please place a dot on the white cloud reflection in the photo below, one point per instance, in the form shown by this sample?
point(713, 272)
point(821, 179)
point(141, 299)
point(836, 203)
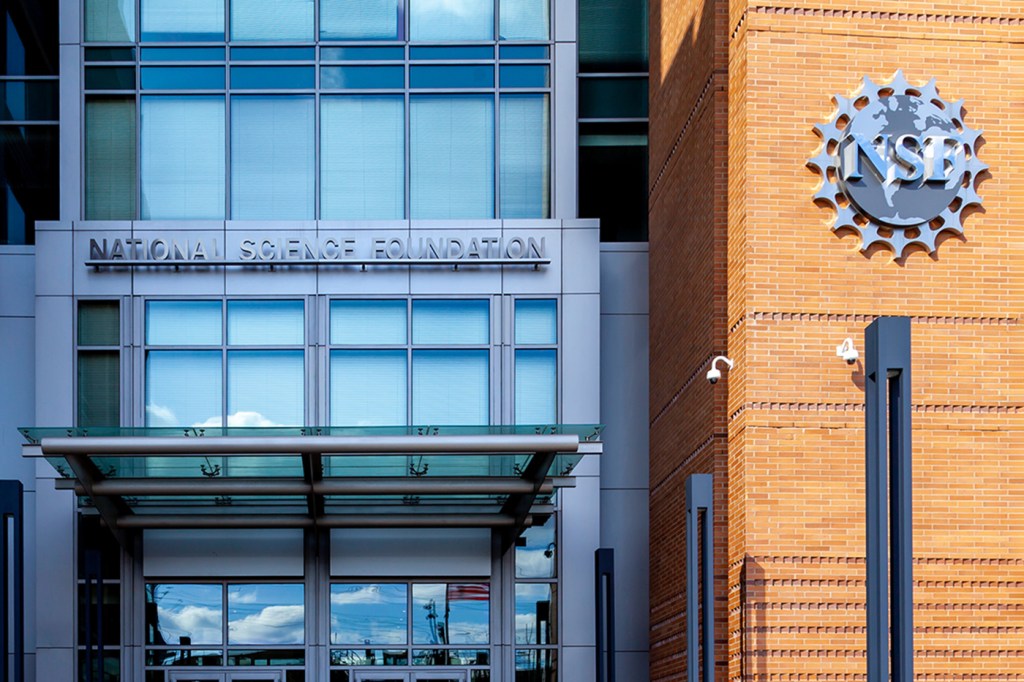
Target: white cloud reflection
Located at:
point(279, 624)
point(200, 623)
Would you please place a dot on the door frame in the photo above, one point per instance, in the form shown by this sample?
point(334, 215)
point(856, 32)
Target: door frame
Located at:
point(222, 675)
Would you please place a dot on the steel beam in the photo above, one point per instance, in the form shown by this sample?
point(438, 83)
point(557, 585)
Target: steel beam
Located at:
point(888, 500)
point(142, 446)
point(112, 509)
point(329, 521)
point(355, 486)
point(700, 635)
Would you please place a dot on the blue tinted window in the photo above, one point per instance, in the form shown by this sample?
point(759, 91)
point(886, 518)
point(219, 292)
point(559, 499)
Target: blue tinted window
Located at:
point(183, 323)
point(271, 54)
point(265, 388)
point(362, 77)
point(369, 388)
point(359, 20)
point(453, 52)
point(272, 20)
point(109, 21)
point(459, 321)
point(182, 20)
point(613, 97)
point(341, 54)
point(451, 20)
point(536, 321)
point(536, 386)
point(183, 388)
point(362, 157)
point(266, 614)
point(183, 54)
point(272, 158)
point(183, 78)
point(476, 76)
point(182, 174)
point(525, 76)
point(28, 100)
point(109, 54)
point(452, 156)
point(450, 387)
point(110, 78)
point(524, 19)
point(525, 156)
point(524, 51)
point(272, 77)
point(275, 323)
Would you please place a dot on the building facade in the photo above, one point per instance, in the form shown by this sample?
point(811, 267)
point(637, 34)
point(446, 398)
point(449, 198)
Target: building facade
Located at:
point(324, 369)
point(744, 263)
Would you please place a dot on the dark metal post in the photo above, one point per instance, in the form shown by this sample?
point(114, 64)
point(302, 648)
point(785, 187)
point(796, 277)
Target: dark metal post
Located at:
point(700, 497)
point(604, 585)
point(889, 523)
point(12, 583)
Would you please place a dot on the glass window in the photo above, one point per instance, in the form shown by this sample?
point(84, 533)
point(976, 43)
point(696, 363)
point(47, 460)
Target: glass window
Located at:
point(110, 54)
point(182, 20)
point(368, 657)
point(183, 388)
point(110, 21)
point(450, 52)
point(613, 97)
point(524, 51)
point(273, 77)
point(180, 323)
point(450, 387)
point(536, 665)
point(452, 150)
point(536, 321)
point(535, 613)
point(525, 156)
point(455, 321)
point(99, 388)
point(110, 78)
point(183, 78)
point(368, 388)
point(369, 614)
point(535, 551)
point(524, 19)
point(29, 100)
point(451, 20)
point(99, 323)
point(360, 20)
point(265, 388)
point(451, 614)
point(29, 182)
point(30, 40)
point(613, 179)
point(271, 323)
point(272, 158)
point(182, 157)
point(536, 387)
point(339, 54)
point(183, 54)
point(184, 614)
point(362, 77)
point(272, 20)
point(271, 54)
point(452, 76)
point(525, 76)
point(370, 323)
point(266, 614)
point(362, 147)
point(613, 35)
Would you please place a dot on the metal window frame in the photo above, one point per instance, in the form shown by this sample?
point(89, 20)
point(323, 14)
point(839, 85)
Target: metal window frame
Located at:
point(604, 600)
point(12, 573)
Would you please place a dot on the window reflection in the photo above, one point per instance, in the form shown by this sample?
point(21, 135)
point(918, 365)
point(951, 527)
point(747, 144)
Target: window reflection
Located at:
point(535, 551)
point(266, 614)
point(536, 665)
point(368, 614)
point(535, 613)
point(454, 613)
point(184, 614)
point(451, 19)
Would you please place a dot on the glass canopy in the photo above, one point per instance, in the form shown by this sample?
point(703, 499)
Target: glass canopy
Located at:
point(416, 476)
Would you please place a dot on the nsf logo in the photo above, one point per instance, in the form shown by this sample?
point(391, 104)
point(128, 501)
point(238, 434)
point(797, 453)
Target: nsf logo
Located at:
point(898, 165)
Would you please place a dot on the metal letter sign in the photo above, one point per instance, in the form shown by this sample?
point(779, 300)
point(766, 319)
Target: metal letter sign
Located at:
point(898, 164)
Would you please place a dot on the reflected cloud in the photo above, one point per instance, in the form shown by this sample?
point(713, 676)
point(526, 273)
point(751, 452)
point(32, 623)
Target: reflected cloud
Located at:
point(368, 594)
point(271, 625)
point(200, 623)
point(240, 418)
point(160, 415)
point(533, 563)
point(459, 8)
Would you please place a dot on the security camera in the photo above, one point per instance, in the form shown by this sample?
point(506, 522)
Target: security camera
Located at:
point(847, 352)
point(714, 374)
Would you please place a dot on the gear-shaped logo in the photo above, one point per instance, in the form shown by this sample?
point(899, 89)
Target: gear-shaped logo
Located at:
point(898, 165)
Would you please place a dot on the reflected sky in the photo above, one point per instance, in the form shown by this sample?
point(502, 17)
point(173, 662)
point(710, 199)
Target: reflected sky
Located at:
point(537, 558)
point(457, 613)
point(534, 605)
point(368, 614)
point(266, 614)
point(174, 612)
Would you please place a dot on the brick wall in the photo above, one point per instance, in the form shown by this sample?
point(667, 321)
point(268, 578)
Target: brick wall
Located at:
point(743, 262)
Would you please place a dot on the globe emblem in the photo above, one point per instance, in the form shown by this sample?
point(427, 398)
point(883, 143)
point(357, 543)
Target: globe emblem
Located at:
point(897, 165)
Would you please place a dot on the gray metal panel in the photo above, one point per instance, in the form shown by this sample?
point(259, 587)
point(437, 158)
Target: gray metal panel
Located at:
point(54, 365)
point(16, 269)
point(53, 265)
point(565, 20)
point(403, 552)
point(70, 171)
point(217, 553)
point(700, 579)
point(581, 347)
point(55, 571)
point(624, 405)
point(580, 538)
point(564, 133)
point(581, 262)
point(578, 662)
point(70, 21)
point(17, 403)
point(624, 526)
point(624, 289)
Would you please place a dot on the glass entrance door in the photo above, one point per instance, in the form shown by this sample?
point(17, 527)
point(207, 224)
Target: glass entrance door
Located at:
point(220, 676)
point(440, 676)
